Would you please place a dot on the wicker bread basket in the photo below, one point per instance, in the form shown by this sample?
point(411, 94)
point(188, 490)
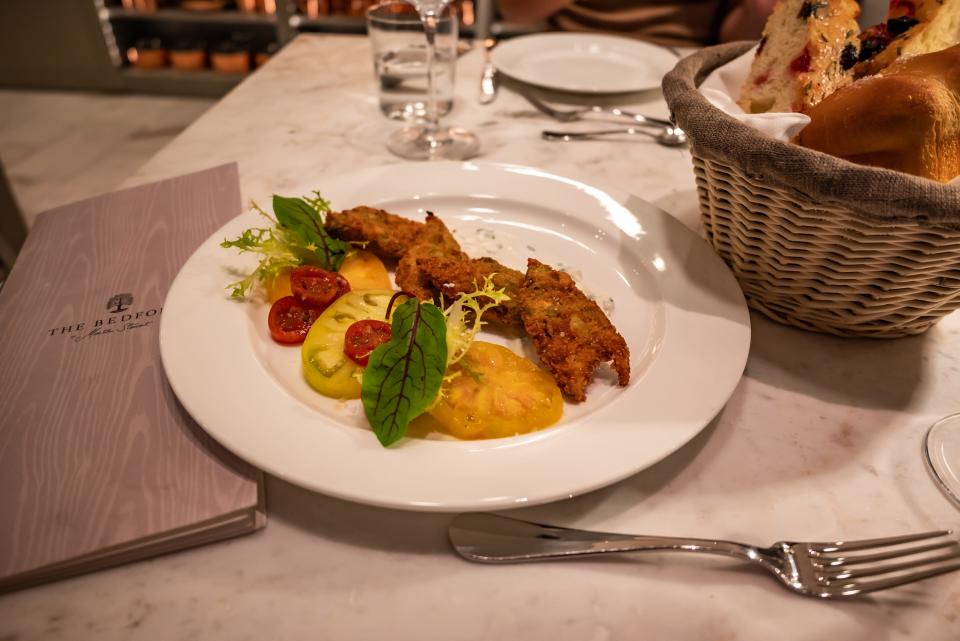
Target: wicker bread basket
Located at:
point(815, 241)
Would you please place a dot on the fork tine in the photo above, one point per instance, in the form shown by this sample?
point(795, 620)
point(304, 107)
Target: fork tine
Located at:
point(843, 572)
point(858, 587)
point(881, 556)
point(864, 544)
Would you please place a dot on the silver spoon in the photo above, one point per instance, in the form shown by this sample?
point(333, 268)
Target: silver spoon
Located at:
point(668, 136)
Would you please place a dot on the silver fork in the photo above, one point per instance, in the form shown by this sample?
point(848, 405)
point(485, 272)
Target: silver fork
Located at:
point(577, 113)
point(826, 570)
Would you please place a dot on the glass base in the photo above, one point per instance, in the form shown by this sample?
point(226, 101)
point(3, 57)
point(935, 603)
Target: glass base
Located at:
point(420, 142)
point(941, 451)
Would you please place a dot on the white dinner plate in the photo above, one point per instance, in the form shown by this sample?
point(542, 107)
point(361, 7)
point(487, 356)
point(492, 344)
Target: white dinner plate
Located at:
point(584, 63)
point(675, 302)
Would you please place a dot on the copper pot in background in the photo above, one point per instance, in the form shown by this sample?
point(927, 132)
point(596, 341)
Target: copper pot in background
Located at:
point(140, 5)
point(230, 57)
point(268, 7)
point(188, 55)
point(203, 5)
point(147, 53)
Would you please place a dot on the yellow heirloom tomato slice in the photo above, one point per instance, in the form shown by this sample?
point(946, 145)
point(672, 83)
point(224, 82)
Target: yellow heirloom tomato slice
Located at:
point(325, 366)
point(495, 393)
point(363, 270)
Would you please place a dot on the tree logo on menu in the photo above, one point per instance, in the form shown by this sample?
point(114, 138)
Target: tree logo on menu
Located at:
point(119, 303)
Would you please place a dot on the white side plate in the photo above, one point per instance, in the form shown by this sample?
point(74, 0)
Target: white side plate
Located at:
point(584, 63)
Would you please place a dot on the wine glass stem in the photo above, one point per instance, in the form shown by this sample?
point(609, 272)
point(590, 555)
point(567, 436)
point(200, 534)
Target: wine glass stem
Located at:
point(430, 30)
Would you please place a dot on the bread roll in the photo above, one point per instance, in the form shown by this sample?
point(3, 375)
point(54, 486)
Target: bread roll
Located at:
point(912, 27)
point(798, 61)
point(906, 118)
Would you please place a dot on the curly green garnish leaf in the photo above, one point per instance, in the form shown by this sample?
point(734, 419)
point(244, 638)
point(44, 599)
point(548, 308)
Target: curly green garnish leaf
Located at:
point(463, 317)
point(277, 249)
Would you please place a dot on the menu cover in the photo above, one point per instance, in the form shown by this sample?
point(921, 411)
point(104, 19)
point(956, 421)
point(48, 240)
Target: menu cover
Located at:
point(99, 463)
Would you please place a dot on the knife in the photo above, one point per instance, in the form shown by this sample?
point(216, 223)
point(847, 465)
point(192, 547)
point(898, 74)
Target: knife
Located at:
point(488, 79)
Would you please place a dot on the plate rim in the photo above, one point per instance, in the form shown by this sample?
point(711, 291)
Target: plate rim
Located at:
point(513, 43)
point(517, 500)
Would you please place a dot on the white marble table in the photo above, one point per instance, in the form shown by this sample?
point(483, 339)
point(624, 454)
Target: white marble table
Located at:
point(821, 440)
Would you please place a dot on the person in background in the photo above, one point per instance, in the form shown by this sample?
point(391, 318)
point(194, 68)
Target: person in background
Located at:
point(667, 22)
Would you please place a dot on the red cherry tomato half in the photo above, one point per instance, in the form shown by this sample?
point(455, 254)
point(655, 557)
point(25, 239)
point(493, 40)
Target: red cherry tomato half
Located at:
point(363, 337)
point(317, 286)
point(290, 320)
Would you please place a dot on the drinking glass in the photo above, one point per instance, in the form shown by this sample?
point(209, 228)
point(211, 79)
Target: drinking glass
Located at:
point(941, 451)
point(428, 140)
point(400, 60)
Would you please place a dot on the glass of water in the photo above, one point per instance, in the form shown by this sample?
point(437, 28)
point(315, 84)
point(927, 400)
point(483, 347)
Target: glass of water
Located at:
point(400, 60)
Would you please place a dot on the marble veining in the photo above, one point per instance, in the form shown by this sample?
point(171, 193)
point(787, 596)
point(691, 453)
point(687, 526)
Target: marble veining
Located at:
point(820, 440)
point(61, 147)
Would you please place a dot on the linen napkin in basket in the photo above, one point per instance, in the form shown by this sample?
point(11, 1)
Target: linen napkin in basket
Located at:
point(722, 88)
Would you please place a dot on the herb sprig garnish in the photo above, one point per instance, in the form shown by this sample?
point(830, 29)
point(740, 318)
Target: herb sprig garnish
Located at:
point(404, 375)
point(296, 237)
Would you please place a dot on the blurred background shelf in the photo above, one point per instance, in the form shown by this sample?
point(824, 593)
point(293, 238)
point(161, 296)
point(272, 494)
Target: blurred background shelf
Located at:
point(224, 17)
point(238, 29)
point(93, 44)
point(353, 24)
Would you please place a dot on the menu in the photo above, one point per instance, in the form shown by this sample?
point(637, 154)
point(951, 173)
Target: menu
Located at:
point(99, 464)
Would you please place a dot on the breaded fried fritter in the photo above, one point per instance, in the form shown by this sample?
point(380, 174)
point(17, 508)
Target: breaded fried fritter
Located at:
point(571, 333)
point(433, 242)
point(452, 277)
point(388, 235)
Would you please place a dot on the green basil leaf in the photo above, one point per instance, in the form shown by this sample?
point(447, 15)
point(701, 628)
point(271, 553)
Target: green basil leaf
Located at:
point(404, 375)
point(294, 213)
point(305, 219)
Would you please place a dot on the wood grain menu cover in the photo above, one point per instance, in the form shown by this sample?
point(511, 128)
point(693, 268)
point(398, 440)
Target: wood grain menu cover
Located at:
point(99, 464)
